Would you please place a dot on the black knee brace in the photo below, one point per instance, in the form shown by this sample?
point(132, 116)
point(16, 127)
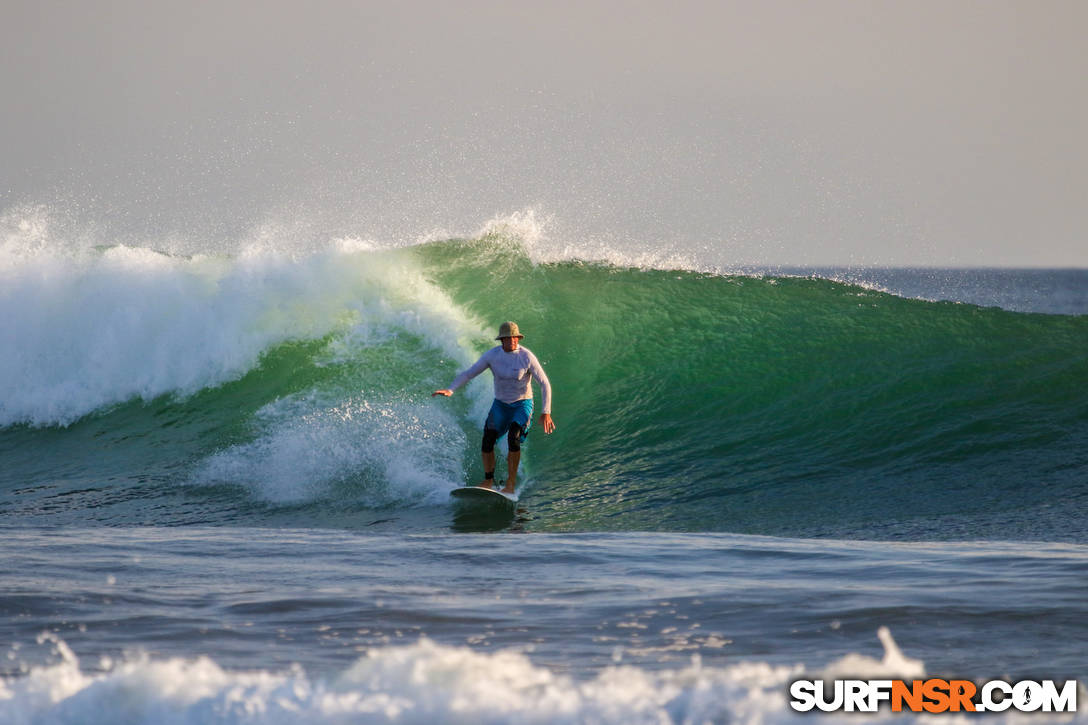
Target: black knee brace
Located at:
point(513, 438)
point(490, 436)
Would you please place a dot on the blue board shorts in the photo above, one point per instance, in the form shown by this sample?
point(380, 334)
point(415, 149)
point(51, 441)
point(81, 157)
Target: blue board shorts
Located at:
point(503, 414)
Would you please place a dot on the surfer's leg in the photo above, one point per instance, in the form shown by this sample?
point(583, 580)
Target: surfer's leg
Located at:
point(513, 456)
point(489, 467)
point(487, 454)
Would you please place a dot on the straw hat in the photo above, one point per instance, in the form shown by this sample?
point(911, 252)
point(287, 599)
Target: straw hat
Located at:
point(509, 329)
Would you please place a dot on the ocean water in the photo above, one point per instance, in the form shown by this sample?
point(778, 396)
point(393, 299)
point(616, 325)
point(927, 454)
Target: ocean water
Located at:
point(224, 484)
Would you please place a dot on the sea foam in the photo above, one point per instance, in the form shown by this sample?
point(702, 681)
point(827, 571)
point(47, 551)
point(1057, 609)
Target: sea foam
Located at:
point(307, 447)
point(425, 683)
point(85, 327)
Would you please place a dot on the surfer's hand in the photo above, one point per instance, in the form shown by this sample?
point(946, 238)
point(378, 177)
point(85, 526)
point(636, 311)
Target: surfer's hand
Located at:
point(447, 393)
point(546, 421)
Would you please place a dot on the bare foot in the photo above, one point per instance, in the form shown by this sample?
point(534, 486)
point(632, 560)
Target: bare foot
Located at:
point(486, 484)
point(508, 489)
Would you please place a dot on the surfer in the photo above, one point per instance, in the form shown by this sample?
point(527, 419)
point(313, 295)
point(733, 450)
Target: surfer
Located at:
point(512, 367)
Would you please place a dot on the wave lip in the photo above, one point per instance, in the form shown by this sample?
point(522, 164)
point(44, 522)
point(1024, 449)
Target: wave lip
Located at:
point(87, 329)
point(83, 333)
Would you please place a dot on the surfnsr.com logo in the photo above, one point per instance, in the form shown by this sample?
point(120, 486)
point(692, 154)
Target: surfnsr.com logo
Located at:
point(933, 695)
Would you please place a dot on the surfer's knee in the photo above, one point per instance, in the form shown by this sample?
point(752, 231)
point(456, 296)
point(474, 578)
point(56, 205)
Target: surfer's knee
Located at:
point(490, 436)
point(514, 437)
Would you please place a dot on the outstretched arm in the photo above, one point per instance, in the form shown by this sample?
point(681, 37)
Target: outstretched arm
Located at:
point(468, 374)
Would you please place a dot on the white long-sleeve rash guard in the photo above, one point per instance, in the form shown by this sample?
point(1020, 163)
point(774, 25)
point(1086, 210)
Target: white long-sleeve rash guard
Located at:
point(512, 372)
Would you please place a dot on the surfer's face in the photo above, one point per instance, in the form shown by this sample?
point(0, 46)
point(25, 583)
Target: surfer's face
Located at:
point(509, 344)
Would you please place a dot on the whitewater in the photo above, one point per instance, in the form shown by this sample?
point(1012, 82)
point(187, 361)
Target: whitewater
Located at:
point(224, 490)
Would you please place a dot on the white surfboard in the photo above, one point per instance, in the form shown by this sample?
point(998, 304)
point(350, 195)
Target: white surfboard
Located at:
point(484, 496)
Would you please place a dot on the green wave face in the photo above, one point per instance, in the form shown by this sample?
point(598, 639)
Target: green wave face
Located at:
point(684, 401)
point(783, 405)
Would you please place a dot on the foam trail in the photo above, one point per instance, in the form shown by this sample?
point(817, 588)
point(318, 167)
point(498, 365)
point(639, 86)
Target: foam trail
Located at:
point(384, 451)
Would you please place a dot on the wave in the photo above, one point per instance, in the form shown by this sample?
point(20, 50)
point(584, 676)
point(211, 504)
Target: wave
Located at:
point(764, 404)
point(432, 683)
point(685, 399)
point(422, 683)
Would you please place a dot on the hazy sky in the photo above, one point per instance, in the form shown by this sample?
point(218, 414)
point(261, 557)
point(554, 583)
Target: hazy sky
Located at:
point(815, 132)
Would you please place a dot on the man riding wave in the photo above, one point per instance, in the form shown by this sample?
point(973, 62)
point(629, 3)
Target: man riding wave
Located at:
point(513, 368)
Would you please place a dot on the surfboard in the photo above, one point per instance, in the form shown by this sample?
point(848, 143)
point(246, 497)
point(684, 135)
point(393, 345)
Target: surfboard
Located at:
point(485, 496)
